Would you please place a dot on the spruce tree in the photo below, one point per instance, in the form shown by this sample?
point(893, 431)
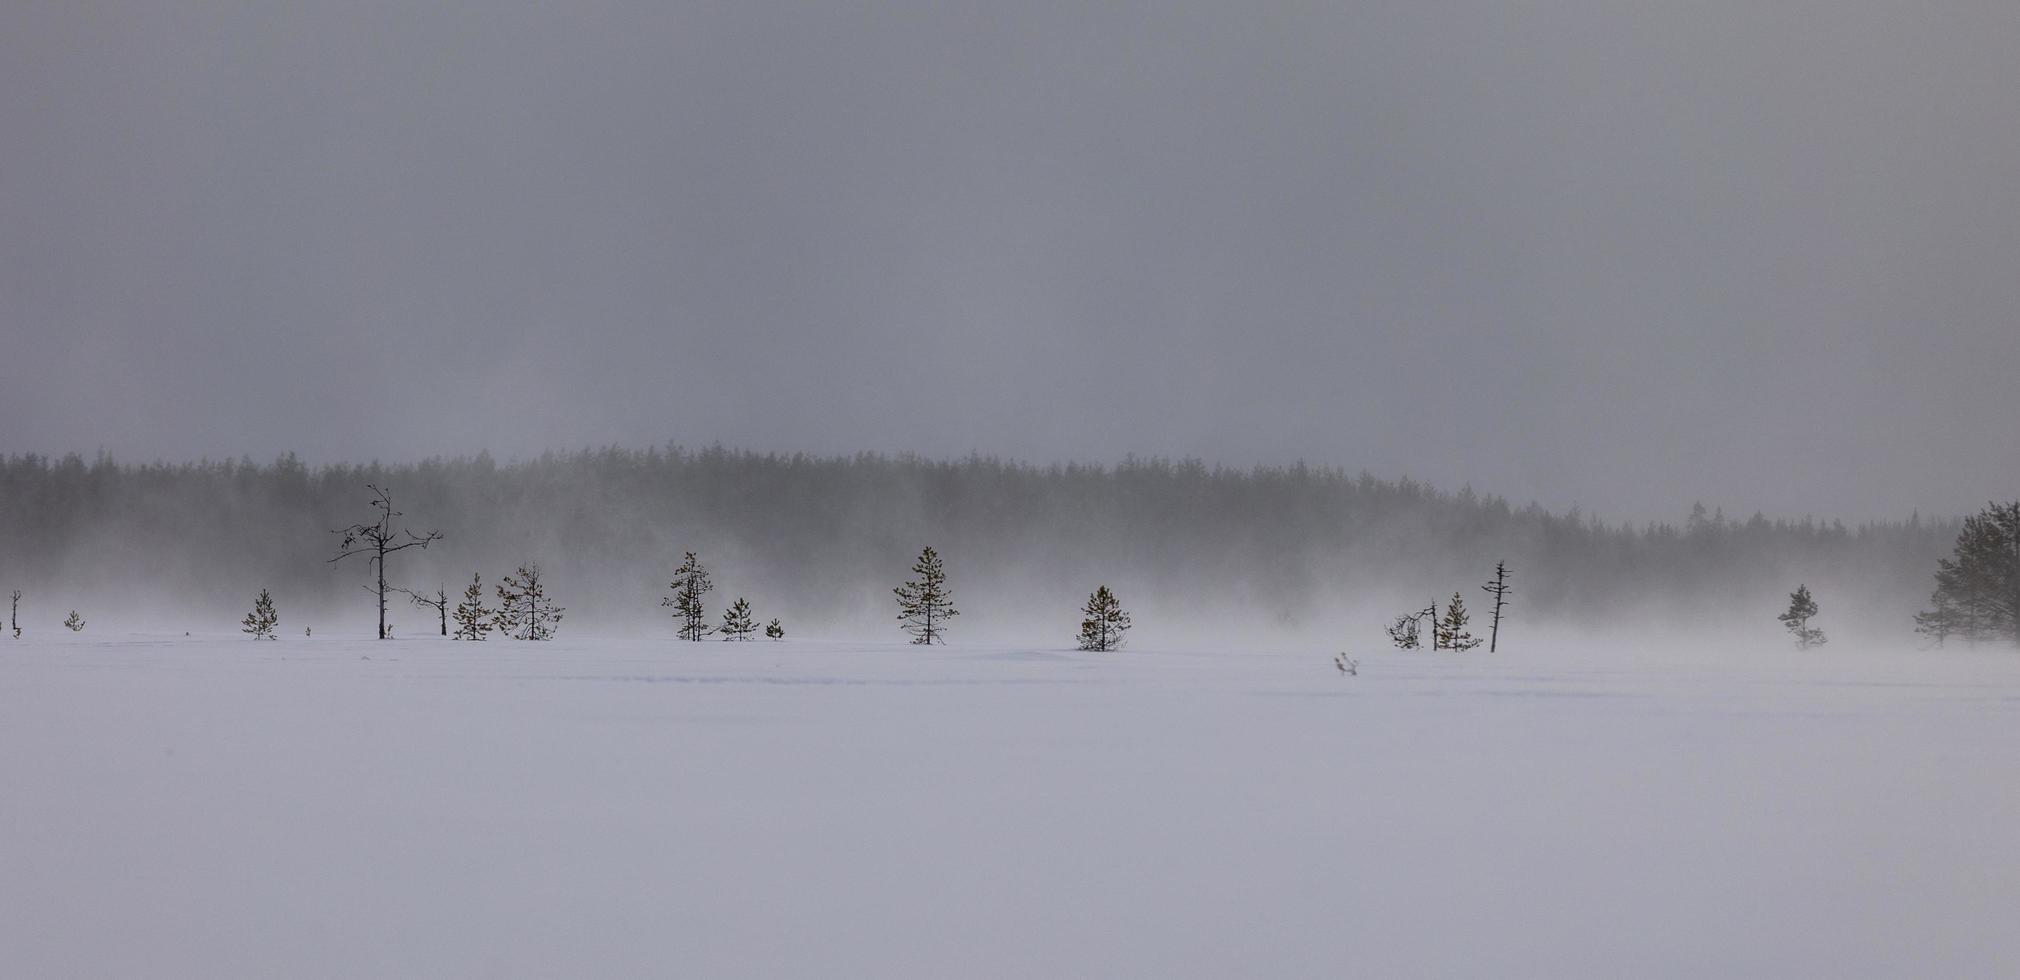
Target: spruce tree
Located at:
point(1797, 619)
point(524, 610)
point(1102, 622)
point(737, 623)
point(690, 583)
point(775, 631)
point(75, 622)
point(1452, 633)
point(472, 619)
point(261, 621)
point(924, 604)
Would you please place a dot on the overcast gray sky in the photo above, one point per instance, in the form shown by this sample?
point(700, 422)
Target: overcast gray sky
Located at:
point(1625, 255)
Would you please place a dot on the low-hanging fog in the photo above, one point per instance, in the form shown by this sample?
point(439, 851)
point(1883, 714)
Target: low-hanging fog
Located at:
point(1613, 259)
point(1199, 554)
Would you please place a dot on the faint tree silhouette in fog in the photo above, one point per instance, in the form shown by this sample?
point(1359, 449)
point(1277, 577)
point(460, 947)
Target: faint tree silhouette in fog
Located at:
point(1797, 619)
point(1978, 587)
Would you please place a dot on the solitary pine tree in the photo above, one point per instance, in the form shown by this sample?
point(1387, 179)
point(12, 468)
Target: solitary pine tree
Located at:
point(472, 619)
point(924, 604)
point(1797, 619)
point(1452, 633)
point(75, 622)
point(737, 623)
point(261, 621)
point(774, 630)
point(524, 610)
point(1102, 622)
point(690, 583)
point(377, 540)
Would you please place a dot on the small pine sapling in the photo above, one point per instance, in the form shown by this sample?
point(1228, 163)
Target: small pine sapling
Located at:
point(774, 630)
point(75, 622)
point(737, 623)
point(1347, 665)
point(925, 604)
point(1452, 633)
point(14, 614)
point(1102, 622)
point(472, 619)
point(524, 610)
point(260, 623)
point(1797, 619)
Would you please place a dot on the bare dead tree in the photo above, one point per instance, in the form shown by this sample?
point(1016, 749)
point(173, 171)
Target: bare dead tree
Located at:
point(438, 602)
point(1499, 590)
point(14, 614)
point(377, 540)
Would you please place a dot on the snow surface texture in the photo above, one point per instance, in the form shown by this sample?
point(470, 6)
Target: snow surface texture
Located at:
point(214, 807)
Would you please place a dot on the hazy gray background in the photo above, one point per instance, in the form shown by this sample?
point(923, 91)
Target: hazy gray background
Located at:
point(1618, 255)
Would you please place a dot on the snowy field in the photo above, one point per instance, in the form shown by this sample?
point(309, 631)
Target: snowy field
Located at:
point(214, 808)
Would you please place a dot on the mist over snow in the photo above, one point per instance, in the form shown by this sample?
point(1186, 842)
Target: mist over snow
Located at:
point(1270, 326)
point(1201, 554)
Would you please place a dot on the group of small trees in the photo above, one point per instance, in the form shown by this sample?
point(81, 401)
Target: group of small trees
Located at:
point(925, 604)
point(75, 623)
point(691, 582)
point(524, 612)
point(1977, 595)
point(1450, 631)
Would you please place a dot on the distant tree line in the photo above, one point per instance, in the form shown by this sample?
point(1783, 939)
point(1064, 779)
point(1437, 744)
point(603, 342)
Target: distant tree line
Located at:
point(821, 535)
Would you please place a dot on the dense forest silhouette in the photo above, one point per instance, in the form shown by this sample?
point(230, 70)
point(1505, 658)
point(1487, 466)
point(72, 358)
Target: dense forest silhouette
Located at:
point(822, 539)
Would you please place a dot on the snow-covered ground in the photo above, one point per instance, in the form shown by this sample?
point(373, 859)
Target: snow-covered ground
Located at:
point(212, 807)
